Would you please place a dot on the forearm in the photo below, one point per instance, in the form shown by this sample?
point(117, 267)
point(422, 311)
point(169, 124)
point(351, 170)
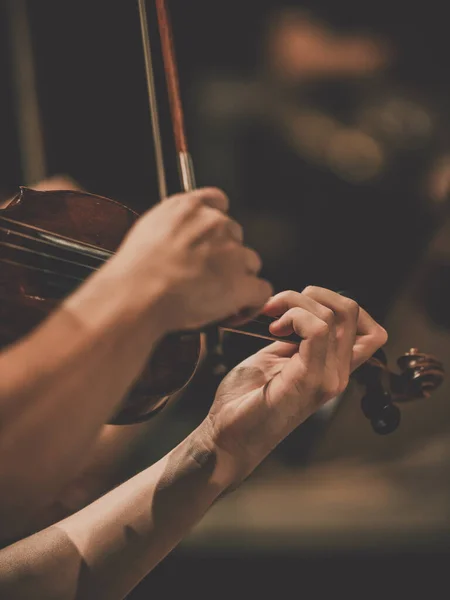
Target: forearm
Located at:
point(110, 462)
point(108, 547)
point(61, 384)
point(117, 454)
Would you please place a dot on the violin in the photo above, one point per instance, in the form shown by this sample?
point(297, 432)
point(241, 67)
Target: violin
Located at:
point(50, 242)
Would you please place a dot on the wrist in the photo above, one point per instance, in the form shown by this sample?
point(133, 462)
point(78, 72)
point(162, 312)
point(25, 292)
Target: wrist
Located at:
point(227, 471)
point(112, 299)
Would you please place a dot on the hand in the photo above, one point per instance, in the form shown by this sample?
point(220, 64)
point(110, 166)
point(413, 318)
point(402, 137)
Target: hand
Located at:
point(192, 253)
point(268, 395)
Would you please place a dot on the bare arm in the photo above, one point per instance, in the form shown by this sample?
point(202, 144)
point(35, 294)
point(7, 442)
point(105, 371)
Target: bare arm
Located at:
point(59, 386)
point(110, 462)
point(108, 547)
point(116, 455)
point(181, 267)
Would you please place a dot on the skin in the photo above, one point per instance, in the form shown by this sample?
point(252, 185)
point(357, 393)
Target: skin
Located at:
point(108, 547)
point(191, 270)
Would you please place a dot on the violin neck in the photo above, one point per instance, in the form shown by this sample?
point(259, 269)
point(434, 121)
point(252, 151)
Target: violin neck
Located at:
point(259, 328)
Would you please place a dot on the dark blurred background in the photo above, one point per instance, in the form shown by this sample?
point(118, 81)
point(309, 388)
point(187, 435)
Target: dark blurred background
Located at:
point(327, 123)
point(322, 121)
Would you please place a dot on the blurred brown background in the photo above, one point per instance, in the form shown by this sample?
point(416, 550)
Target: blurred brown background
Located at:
point(327, 123)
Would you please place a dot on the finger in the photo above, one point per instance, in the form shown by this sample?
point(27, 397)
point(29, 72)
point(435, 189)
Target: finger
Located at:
point(346, 309)
point(235, 230)
point(285, 326)
point(211, 224)
point(371, 336)
point(336, 302)
point(212, 197)
point(305, 371)
point(253, 295)
point(289, 300)
point(343, 332)
point(252, 261)
point(347, 314)
point(259, 292)
point(222, 226)
point(360, 336)
point(280, 303)
point(280, 349)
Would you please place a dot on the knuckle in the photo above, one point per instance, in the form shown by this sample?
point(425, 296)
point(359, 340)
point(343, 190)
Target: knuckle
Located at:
point(327, 315)
point(351, 307)
point(217, 221)
point(215, 191)
point(239, 231)
point(310, 290)
point(217, 194)
point(382, 335)
point(293, 314)
point(235, 231)
point(286, 295)
point(266, 289)
point(258, 258)
point(254, 260)
point(171, 204)
point(320, 329)
point(191, 203)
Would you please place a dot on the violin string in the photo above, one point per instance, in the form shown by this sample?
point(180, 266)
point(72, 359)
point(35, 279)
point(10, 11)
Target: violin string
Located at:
point(262, 320)
point(24, 248)
point(25, 261)
point(75, 281)
point(27, 253)
point(58, 242)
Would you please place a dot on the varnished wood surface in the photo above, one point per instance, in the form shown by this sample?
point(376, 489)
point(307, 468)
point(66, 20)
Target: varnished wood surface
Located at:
point(34, 279)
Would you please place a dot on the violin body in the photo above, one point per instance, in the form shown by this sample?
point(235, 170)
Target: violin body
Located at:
point(37, 271)
point(50, 242)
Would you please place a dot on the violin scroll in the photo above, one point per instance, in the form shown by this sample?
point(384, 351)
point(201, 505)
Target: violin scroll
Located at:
point(420, 375)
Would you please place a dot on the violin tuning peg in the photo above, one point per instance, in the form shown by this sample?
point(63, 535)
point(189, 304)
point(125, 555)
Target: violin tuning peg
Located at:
point(383, 415)
point(387, 420)
point(373, 402)
point(422, 373)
